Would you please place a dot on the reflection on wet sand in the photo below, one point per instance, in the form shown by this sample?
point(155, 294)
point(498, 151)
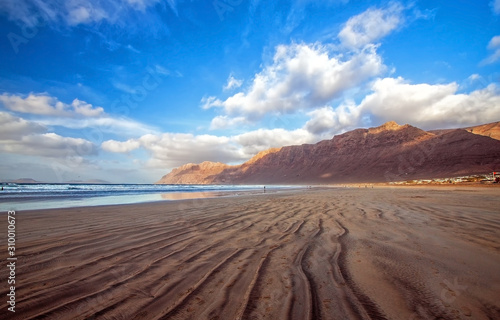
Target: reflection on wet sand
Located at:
point(193, 195)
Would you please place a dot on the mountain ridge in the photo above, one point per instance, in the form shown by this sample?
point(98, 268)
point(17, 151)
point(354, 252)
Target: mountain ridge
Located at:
point(390, 152)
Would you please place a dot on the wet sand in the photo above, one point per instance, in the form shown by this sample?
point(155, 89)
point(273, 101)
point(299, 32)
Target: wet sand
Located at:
point(346, 253)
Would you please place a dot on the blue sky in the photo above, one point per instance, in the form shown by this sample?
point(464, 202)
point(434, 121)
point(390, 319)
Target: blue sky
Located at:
point(126, 90)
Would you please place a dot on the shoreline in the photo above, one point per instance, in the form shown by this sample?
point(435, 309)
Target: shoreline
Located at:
point(31, 202)
point(77, 201)
point(184, 196)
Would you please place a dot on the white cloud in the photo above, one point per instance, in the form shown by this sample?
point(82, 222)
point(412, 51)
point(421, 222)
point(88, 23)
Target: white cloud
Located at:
point(77, 115)
point(107, 124)
point(494, 45)
point(225, 122)
point(12, 127)
point(51, 145)
point(86, 109)
point(120, 147)
point(170, 150)
point(209, 102)
point(262, 139)
point(232, 83)
point(493, 58)
point(474, 77)
point(423, 105)
point(430, 106)
point(494, 42)
point(304, 77)
point(371, 25)
point(327, 121)
point(43, 104)
point(83, 12)
point(301, 77)
point(20, 136)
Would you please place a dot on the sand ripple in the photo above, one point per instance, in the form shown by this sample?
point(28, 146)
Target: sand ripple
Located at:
point(404, 253)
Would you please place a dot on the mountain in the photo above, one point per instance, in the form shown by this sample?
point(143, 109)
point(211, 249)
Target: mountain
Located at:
point(390, 152)
point(194, 173)
point(491, 130)
point(22, 180)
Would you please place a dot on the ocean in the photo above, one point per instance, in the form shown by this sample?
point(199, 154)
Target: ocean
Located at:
point(48, 196)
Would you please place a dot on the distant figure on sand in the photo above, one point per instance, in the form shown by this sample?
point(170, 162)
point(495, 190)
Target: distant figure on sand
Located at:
point(264, 189)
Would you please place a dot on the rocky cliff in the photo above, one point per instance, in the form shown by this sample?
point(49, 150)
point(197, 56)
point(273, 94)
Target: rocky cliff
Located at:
point(390, 152)
point(192, 173)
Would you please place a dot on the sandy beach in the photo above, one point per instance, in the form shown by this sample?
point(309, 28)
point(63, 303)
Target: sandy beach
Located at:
point(339, 253)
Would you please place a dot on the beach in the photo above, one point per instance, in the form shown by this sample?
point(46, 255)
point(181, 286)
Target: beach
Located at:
point(320, 253)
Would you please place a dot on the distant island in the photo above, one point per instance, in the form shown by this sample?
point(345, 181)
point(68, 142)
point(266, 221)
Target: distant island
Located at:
point(33, 181)
point(21, 180)
point(388, 153)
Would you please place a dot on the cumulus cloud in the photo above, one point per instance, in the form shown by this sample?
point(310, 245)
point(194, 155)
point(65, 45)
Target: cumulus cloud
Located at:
point(50, 145)
point(232, 83)
point(86, 109)
point(209, 102)
point(327, 121)
point(169, 150)
point(262, 139)
point(493, 45)
point(43, 104)
point(301, 77)
point(12, 127)
point(120, 147)
point(20, 136)
point(430, 106)
point(371, 25)
point(224, 122)
point(31, 137)
point(308, 78)
point(423, 105)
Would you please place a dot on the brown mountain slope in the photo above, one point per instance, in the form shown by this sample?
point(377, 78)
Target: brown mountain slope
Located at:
point(191, 173)
point(205, 172)
point(491, 130)
point(387, 153)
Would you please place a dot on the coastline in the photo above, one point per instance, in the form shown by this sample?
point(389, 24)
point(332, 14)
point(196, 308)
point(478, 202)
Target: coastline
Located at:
point(321, 252)
point(70, 200)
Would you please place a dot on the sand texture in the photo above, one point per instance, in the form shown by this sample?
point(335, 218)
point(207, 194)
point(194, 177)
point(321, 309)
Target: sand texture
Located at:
point(382, 253)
